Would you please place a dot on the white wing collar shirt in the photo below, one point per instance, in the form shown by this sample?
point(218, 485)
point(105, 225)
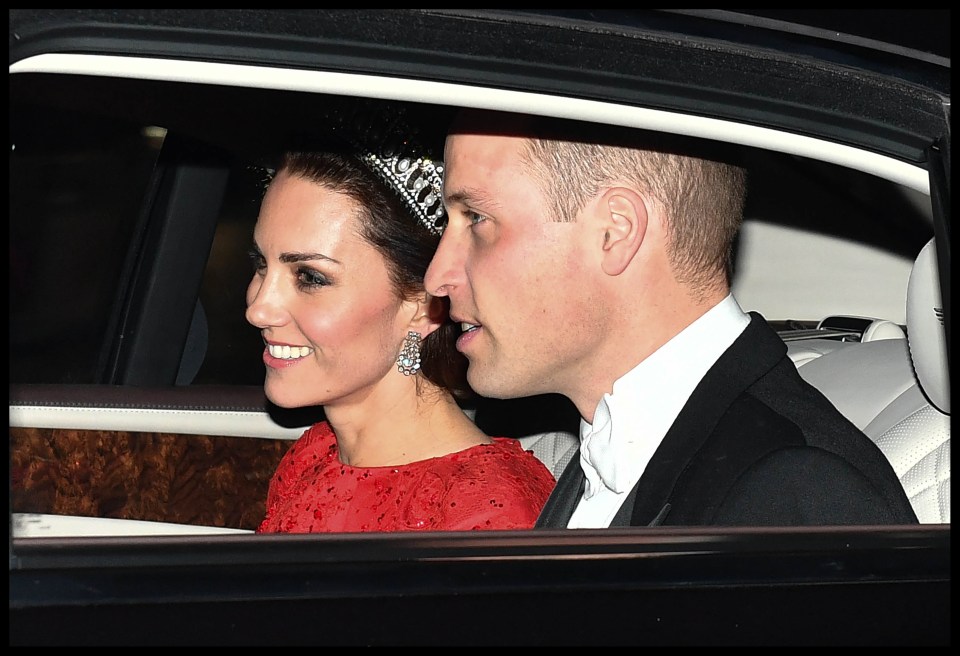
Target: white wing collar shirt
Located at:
point(630, 422)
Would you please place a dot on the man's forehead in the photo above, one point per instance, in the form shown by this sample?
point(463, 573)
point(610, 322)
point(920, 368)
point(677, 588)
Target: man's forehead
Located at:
point(484, 150)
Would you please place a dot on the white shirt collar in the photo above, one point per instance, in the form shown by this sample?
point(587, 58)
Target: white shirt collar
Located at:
point(630, 422)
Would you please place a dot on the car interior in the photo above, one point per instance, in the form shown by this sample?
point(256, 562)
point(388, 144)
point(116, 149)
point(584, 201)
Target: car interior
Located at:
point(864, 324)
point(893, 385)
point(141, 443)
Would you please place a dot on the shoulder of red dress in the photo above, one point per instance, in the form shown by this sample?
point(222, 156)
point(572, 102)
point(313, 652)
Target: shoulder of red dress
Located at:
point(319, 434)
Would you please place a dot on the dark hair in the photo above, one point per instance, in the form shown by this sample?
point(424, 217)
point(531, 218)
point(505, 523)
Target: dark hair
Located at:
point(405, 243)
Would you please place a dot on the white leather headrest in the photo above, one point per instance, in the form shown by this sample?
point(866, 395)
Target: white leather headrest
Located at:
point(882, 329)
point(925, 334)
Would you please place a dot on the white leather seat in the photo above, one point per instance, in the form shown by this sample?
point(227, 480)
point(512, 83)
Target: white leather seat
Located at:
point(555, 449)
point(546, 424)
point(898, 392)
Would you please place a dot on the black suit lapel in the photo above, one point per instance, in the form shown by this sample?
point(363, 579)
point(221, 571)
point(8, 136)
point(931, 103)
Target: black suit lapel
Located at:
point(752, 355)
point(757, 350)
point(566, 495)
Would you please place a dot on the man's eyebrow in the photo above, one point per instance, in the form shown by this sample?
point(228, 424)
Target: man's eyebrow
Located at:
point(289, 258)
point(468, 197)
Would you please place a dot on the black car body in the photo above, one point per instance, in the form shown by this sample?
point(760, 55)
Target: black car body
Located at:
point(134, 139)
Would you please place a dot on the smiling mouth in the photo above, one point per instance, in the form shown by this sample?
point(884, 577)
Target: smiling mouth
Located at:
point(288, 352)
point(468, 327)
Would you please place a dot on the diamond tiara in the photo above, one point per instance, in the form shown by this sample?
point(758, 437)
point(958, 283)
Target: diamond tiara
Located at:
point(417, 181)
point(388, 148)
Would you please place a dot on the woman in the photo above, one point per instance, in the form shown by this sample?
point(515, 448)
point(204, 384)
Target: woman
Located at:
point(341, 245)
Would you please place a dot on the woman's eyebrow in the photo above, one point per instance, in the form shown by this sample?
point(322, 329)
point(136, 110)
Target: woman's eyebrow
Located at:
point(305, 257)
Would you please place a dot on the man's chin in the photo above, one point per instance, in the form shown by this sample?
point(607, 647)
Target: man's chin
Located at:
point(485, 382)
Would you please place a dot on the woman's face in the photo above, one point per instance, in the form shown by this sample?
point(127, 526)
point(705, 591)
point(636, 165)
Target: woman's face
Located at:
point(322, 299)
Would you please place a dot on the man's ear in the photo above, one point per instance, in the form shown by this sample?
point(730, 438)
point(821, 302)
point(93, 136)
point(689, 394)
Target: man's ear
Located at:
point(429, 314)
point(623, 219)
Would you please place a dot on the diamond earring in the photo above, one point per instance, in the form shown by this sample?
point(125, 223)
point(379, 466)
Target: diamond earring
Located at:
point(408, 362)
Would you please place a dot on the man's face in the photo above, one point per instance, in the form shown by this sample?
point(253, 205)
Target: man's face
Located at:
point(518, 277)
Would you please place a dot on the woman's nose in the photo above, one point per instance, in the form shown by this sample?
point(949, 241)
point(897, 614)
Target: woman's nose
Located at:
point(264, 303)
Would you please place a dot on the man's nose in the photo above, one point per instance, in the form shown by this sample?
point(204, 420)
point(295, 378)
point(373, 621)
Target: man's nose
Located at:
point(446, 268)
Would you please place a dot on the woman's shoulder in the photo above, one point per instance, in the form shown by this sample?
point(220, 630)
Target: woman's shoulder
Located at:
point(317, 439)
point(496, 486)
point(511, 447)
point(506, 460)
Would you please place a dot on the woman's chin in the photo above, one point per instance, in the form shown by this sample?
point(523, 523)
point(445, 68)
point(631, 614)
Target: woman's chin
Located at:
point(281, 400)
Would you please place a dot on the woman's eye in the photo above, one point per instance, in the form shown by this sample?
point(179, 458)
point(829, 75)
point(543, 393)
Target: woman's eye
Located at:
point(257, 260)
point(474, 218)
point(311, 278)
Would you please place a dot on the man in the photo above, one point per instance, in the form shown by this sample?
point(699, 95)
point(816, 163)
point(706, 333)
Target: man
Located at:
point(597, 266)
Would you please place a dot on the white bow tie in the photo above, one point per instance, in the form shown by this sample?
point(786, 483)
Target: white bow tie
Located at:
point(598, 454)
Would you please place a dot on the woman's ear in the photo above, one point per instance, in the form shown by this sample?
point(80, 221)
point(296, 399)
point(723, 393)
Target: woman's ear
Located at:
point(430, 313)
point(624, 218)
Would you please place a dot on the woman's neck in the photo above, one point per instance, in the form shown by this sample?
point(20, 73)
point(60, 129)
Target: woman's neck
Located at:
point(429, 426)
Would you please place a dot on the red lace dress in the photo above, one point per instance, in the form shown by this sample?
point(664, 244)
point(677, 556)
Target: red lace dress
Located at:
point(488, 486)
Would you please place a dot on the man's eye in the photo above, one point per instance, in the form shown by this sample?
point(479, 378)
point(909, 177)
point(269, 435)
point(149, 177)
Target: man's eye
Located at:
point(474, 218)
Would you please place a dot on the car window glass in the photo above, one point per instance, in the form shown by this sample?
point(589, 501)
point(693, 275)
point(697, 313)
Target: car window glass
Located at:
point(77, 183)
point(819, 240)
point(234, 346)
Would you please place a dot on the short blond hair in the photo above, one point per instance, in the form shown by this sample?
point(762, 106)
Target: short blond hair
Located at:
point(701, 197)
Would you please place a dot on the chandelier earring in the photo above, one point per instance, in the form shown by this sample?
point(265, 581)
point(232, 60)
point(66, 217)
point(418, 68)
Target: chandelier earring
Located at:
point(408, 361)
